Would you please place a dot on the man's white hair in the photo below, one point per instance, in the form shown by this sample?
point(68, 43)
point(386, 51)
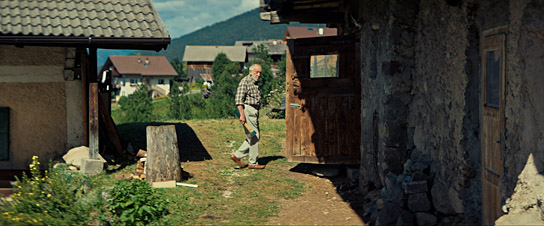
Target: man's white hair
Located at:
point(253, 67)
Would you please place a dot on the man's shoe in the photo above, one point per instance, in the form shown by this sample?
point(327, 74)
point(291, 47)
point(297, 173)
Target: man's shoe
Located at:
point(237, 161)
point(256, 166)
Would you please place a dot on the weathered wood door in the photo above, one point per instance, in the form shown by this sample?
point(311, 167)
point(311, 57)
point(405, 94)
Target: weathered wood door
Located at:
point(492, 105)
point(323, 102)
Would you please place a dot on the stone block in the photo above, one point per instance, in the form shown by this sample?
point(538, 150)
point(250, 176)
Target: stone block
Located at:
point(352, 173)
point(164, 184)
point(419, 202)
point(424, 219)
point(389, 214)
point(415, 187)
point(405, 218)
point(75, 155)
point(91, 166)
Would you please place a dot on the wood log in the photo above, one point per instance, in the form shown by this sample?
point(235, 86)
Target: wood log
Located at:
point(162, 154)
point(93, 121)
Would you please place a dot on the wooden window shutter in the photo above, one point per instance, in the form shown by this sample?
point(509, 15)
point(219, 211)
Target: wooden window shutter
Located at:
point(4, 133)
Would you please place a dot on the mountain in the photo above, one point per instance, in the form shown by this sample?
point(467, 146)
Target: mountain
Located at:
point(244, 27)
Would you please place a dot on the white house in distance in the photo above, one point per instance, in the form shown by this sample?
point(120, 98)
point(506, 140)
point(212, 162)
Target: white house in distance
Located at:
point(128, 72)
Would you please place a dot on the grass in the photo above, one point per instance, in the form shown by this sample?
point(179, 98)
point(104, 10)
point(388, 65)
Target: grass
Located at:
point(225, 196)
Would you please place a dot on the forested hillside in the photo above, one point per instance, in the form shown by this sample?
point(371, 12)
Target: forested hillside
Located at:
point(246, 26)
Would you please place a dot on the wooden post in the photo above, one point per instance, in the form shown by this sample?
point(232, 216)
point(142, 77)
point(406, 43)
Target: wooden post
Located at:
point(162, 154)
point(93, 121)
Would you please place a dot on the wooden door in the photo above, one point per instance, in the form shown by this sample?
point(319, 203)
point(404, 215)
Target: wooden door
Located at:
point(323, 103)
point(492, 105)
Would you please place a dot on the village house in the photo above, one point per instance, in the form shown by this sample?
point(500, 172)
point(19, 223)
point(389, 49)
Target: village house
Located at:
point(200, 59)
point(129, 72)
point(450, 118)
point(51, 98)
point(276, 50)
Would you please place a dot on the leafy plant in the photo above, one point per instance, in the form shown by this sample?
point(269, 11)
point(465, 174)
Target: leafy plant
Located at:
point(52, 199)
point(135, 203)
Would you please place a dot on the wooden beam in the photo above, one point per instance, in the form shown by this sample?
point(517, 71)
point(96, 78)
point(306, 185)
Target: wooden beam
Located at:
point(85, 94)
point(94, 135)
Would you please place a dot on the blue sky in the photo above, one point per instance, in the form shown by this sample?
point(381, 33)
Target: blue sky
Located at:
point(185, 16)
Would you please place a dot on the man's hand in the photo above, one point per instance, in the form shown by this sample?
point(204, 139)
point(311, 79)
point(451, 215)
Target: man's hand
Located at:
point(242, 114)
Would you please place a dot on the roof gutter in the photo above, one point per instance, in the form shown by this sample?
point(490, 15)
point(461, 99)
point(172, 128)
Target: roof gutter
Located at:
point(156, 44)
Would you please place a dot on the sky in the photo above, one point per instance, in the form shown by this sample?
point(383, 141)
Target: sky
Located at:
point(185, 16)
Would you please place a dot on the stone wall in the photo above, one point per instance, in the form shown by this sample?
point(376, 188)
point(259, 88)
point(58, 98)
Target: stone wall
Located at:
point(421, 105)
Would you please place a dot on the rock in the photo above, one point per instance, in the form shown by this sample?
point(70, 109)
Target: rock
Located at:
point(390, 180)
point(396, 194)
point(91, 166)
point(352, 173)
point(530, 217)
point(75, 155)
point(419, 166)
point(405, 218)
point(407, 166)
point(419, 202)
point(441, 198)
point(380, 203)
point(415, 187)
point(73, 168)
point(389, 214)
point(455, 200)
point(326, 172)
point(424, 219)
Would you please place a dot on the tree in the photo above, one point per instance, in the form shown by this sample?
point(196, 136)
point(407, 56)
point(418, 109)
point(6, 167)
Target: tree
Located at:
point(179, 105)
point(179, 66)
point(138, 106)
point(267, 82)
point(221, 103)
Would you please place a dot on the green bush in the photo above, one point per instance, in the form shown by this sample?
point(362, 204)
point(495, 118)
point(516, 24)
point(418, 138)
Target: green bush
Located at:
point(138, 106)
point(135, 203)
point(52, 199)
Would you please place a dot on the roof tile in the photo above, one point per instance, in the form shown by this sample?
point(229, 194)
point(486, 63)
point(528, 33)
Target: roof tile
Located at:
point(96, 18)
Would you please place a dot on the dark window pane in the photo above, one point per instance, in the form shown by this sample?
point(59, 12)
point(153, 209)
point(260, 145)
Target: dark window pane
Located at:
point(492, 79)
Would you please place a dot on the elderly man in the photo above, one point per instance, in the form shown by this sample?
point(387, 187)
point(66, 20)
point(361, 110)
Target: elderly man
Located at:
point(248, 101)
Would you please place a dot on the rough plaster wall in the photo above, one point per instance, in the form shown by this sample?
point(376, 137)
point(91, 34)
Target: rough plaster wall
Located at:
point(387, 36)
point(32, 86)
point(37, 121)
point(525, 106)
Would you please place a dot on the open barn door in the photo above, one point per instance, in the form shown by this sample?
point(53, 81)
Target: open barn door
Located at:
point(492, 105)
point(323, 103)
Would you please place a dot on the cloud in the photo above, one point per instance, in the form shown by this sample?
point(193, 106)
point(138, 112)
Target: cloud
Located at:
point(185, 16)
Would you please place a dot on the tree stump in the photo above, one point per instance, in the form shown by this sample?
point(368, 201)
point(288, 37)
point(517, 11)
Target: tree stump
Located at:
point(162, 154)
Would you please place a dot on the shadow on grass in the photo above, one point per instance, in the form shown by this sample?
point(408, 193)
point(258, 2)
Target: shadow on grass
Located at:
point(347, 188)
point(265, 160)
point(190, 147)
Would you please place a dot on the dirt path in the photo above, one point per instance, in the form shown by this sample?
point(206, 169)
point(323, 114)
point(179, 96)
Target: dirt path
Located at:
point(334, 201)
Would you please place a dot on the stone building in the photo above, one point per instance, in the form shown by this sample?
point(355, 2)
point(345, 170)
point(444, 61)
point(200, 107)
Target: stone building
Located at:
point(49, 89)
point(451, 126)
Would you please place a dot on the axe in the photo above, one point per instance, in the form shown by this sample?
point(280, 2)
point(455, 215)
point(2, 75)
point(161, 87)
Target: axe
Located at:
point(251, 131)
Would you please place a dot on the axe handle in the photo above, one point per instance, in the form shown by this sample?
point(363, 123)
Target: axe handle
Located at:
point(251, 132)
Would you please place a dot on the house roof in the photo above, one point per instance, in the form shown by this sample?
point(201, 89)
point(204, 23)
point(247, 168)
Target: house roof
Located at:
point(68, 21)
point(136, 65)
point(275, 47)
point(208, 53)
point(308, 32)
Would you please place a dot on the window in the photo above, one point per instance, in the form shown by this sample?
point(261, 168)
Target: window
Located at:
point(161, 81)
point(4, 133)
point(492, 78)
point(324, 66)
point(133, 82)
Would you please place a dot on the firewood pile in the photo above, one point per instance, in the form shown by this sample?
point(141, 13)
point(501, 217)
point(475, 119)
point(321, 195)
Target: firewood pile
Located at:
point(140, 165)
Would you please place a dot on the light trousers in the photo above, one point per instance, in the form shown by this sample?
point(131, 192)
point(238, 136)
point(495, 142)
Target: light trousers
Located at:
point(251, 145)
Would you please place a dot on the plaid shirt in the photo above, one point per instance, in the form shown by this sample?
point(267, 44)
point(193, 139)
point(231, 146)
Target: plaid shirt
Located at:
point(248, 92)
